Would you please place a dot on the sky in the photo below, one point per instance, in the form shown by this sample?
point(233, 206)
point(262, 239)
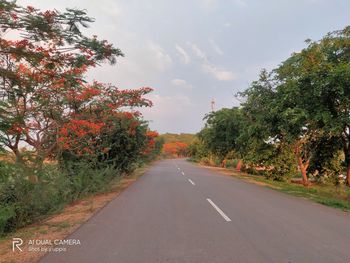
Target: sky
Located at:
point(193, 51)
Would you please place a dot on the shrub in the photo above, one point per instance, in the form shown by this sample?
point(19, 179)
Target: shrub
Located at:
point(231, 162)
point(23, 202)
point(205, 160)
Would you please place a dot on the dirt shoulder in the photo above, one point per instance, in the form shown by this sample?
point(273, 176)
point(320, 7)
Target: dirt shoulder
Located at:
point(60, 225)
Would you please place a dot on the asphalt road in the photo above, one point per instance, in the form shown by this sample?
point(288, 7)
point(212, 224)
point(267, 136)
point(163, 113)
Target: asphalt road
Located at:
point(178, 212)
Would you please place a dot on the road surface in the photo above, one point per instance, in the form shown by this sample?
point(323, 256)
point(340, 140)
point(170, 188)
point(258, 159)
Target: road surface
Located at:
point(179, 212)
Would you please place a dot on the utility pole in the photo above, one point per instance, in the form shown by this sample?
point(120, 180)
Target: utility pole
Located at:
point(212, 105)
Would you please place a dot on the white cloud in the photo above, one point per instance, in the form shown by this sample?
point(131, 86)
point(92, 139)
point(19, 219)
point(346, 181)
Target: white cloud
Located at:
point(141, 65)
point(181, 83)
point(162, 59)
point(217, 72)
point(167, 106)
point(197, 51)
point(227, 24)
point(185, 58)
point(216, 47)
point(172, 113)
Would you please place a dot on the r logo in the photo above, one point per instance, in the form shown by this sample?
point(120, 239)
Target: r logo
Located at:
point(16, 243)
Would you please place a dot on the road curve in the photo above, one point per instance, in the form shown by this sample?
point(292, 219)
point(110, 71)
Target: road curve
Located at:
point(178, 212)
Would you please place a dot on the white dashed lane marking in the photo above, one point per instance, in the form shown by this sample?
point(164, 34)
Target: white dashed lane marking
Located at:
point(191, 182)
point(219, 210)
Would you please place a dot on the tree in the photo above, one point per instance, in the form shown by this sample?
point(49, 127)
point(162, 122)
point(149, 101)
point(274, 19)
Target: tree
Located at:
point(197, 149)
point(42, 72)
point(45, 97)
point(321, 73)
point(258, 122)
point(263, 141)
point(221, 131)
point(175, 149)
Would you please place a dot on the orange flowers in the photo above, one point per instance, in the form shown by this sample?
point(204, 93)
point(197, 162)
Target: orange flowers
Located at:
point(79, 134)
point(151, 135)
point(175, 149)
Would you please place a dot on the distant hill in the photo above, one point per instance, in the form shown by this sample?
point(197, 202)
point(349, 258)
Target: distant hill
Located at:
point(182, 137)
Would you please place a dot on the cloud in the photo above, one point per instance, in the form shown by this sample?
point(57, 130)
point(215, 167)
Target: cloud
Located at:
point(161, 58)
point(142, 64)
point(215, 47)
point(181, 83)
point(217, 72)
point(185, 58)
point(167, 106)
point(197, 51)
point(208, 3)
point(172, 113)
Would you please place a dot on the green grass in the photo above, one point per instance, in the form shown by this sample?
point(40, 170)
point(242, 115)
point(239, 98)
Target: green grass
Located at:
point(329, 195)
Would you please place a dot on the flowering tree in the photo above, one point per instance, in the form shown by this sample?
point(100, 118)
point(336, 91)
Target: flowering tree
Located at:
point(116, 138)
point(44, 97)
point(175, 149)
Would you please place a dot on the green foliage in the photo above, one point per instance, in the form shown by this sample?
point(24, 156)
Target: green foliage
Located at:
point(125, 148)
point(23, 202)
point(197, 149)
point(7, 213)
point(221, 131)
point(231, 163)
point(295, 115)
point(28, 201)
point(281, 165)
point(326, 164)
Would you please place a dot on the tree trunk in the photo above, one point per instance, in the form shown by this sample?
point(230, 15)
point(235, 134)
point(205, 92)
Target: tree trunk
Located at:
point(223, 163)
point(302, 165)
point(19, 157)
point(303, 170)
point(239, 165)
point(347, 163)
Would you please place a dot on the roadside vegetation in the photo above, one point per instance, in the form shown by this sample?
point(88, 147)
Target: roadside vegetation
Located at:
point(293, 124)
point(66, 221)
point(61, 137)
point(176, 145)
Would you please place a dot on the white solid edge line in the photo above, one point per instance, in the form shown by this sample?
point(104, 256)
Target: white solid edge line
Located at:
point(219, 210)
point(191, 182)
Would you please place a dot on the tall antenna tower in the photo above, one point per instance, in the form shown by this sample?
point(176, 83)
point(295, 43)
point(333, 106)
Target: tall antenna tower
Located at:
point(212, 105)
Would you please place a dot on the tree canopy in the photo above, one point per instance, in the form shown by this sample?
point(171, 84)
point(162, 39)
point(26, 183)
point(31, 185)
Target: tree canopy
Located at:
point(301, 109)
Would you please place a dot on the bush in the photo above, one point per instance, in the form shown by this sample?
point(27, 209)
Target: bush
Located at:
point(231, 163)
point(205, 160)
point(282, 164)
point(6, 214)
point(23, 202)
